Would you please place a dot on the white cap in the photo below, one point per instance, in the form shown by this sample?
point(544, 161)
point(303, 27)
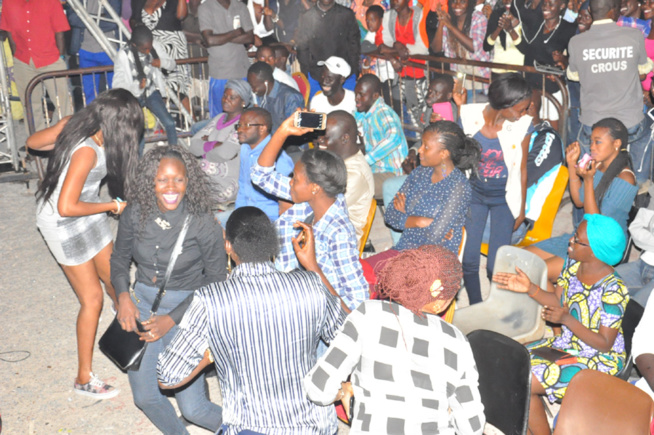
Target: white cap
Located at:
point(259, 2)
point(336, 65)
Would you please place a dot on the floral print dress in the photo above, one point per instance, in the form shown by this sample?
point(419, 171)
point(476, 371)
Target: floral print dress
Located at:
point(601, 304)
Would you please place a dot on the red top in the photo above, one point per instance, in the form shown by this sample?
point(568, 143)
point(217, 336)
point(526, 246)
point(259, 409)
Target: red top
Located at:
point(404, 34)
point(33, 24)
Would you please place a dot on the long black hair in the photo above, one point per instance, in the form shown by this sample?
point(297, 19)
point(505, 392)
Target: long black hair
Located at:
point(467, 23)
point(119, 116)
point(617, 130)
point(465, 151)
point(198, 192)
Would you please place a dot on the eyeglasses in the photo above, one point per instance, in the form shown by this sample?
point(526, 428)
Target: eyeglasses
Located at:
point(239, 125)
point(575, 240)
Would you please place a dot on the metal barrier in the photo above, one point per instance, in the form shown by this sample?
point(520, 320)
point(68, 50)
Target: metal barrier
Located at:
point(198, 97)
point(562, 108)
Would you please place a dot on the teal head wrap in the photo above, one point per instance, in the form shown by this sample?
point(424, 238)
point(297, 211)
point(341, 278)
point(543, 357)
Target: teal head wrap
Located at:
point(606, 238)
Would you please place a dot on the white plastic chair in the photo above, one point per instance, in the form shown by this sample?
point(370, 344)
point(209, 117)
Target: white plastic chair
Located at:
point(515, 315)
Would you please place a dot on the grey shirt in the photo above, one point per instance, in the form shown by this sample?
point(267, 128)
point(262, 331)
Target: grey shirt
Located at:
point(608, 53)
point(89, 42)
point(228, 61)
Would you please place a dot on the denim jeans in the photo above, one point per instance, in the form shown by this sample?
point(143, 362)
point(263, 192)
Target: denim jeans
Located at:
point(156, 104)
point(638, 276)
point(93, 84)
point(191, 399)
point(390, 188)
point(487, 197)
point(640, 146)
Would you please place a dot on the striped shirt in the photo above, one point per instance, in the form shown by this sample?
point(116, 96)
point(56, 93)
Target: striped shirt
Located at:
point(263, 327)
point(337, 250)
point(383, 137)
point(410, 374)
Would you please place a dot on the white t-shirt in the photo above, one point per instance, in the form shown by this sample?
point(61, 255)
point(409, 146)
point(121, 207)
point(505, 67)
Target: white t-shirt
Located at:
point(642, 342)
point(320, 104)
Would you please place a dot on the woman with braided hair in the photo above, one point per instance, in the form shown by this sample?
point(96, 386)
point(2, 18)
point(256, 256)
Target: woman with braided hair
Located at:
point(411, 371)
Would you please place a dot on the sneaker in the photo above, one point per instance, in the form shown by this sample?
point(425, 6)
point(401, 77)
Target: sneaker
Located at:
point(96, 388)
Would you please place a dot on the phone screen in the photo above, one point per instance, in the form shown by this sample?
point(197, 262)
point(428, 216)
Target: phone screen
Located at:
point(310, 120)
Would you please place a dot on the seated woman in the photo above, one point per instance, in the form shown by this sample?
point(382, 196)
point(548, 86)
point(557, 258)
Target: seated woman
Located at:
point(217, 142)
point(432, 204)
point(394, 351)
point(138, 69)
point(317, 187)
point(588, 301)
point(169, 186)
point(606, 185)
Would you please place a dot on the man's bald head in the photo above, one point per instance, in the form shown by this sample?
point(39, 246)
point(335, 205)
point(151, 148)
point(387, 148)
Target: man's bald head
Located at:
point(340, 134)
point(602, 9)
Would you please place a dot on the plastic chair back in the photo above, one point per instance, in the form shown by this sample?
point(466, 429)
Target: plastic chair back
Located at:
point(515, 315)
point(504, 380)
point(597, 403)
point(632, 315)
point(367, 226)
point(303, 85)
point(543, 226)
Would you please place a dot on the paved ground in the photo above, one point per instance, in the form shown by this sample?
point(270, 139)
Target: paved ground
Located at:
point(37, 321)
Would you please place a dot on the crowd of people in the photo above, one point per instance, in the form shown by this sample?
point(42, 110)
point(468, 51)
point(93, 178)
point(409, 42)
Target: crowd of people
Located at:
point(269, 287)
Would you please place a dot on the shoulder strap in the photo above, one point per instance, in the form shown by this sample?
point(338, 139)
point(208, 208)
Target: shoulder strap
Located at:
point(171, 264)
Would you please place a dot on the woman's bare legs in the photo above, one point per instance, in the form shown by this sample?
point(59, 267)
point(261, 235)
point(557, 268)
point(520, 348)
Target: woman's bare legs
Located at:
point(101, 262)
point(85, 281)
point(554, 263)
point(538, 424)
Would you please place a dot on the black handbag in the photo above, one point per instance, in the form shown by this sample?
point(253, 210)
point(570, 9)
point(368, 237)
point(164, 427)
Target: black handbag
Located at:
point(125, 348)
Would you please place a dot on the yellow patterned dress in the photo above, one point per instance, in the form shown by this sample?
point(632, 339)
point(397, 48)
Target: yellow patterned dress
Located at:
point(601, 304)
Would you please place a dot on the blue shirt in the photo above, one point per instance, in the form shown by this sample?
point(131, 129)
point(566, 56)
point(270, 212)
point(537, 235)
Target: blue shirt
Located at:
point(491, 164)
point(281, 102)
point(248, 193)
point(336, 244)
point(446, 202)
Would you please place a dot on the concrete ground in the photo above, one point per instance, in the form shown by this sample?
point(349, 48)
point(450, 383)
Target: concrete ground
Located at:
point(38, 355)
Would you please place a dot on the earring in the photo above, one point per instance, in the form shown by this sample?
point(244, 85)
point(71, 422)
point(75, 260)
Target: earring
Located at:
point(229, 263)
point(443, 170)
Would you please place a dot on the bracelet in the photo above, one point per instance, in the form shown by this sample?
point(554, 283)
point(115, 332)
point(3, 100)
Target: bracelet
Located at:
point(275, 18)
point(535, 293)
point(117, 206)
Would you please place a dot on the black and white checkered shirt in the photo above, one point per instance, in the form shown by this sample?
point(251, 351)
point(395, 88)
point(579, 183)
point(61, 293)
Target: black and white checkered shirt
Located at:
point(263, 328)
point(410, 374)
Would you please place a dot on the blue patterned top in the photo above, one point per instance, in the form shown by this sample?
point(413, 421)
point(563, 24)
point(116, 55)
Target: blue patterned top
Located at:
point(337, 252)
point(447, 202)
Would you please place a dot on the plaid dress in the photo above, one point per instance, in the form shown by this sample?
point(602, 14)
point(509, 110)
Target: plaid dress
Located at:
point(76, 240)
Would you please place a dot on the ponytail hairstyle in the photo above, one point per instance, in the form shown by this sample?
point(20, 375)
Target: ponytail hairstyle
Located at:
point(118, 115)
point(508, 90)
point(141, 35)
point(465, 151)
point(617, 130)
point(325, 169)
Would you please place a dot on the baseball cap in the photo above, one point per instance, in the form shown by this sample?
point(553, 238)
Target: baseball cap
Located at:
point(336, 65)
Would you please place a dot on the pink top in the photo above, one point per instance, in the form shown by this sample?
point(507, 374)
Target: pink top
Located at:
point(649, 48)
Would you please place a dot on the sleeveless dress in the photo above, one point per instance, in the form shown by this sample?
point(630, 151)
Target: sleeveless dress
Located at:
point(76, 240)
